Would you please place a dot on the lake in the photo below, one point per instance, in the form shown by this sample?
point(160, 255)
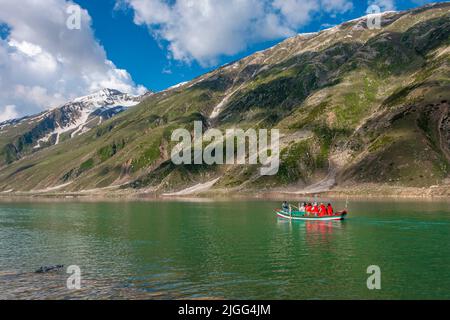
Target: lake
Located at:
point(235, 249)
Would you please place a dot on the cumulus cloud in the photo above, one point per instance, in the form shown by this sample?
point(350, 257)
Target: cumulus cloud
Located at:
point(43, 63)
point(204, 30)
point(385, 5)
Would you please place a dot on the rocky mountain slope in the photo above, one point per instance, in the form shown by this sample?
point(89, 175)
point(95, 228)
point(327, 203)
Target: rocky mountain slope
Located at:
point(20, 137)
point(355, 107)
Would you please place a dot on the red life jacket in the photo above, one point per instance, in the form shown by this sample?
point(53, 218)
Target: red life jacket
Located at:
point(323, 210)
point(330, 210)
point(315, 209)
point(308, 208)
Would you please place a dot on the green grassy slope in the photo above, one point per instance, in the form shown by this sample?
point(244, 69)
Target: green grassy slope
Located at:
point(373, 104)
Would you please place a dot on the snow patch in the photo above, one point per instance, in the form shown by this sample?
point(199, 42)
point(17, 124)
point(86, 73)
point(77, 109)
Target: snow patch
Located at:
point(178, 85)
point(81, 109)
point(218, 109)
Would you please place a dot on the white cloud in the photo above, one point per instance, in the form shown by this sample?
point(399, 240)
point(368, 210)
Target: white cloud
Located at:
point(8, 112)
point(295, 13)
point(43, 63)
point(385, 5)
point(337, 6)
point(203, 30)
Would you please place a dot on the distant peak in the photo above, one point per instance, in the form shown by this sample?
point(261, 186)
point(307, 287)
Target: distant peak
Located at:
point(100, 94)
point(109, 91)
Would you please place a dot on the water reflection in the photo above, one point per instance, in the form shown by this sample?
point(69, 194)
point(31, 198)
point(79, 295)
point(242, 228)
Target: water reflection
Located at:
point(318, 232)
point(315, 232)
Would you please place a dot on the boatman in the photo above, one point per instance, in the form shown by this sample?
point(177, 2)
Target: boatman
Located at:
point(285, 206)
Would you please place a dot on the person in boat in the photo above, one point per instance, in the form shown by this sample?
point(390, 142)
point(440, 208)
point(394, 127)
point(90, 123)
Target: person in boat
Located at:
point(302, 207)
point(315, 209)
point(309, 209)
point(322, 210)
point(285, 206)
point(330, 210)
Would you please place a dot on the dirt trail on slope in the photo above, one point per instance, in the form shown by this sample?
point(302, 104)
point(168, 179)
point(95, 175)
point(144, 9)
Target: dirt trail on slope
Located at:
point(442, 139)
point(323, 185)
point(201, 187)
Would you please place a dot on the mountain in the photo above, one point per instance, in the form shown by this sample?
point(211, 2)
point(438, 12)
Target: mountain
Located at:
point(20, 137)
point(358, 109)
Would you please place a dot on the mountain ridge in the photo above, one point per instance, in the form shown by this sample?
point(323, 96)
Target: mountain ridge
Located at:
point(355, 107)
point(73, 118)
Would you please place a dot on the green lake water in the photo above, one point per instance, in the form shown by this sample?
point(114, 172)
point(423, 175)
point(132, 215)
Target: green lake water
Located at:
point(225, 249)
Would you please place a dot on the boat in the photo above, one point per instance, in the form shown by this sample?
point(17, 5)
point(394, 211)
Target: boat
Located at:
point(341, 215)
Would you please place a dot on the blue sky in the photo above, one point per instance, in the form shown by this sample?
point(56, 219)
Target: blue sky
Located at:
point(132, 45)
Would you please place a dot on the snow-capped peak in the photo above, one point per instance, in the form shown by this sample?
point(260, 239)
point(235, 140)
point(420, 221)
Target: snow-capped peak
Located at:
point(108, 97)
point(81, 114)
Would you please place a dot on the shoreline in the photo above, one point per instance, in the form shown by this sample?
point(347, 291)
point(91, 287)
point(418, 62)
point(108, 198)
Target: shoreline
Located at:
point(354, 193)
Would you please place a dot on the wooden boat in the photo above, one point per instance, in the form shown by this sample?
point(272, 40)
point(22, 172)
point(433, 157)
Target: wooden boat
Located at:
point(297, 216)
